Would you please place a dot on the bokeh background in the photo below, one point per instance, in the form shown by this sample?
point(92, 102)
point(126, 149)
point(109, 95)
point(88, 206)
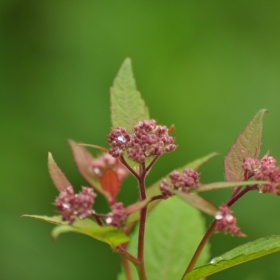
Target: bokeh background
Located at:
point(205, 66)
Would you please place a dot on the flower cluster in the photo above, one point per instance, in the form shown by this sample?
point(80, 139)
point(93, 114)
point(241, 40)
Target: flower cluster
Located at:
point(72, 205)
point(148, 139)
point(104, 161)
point(264, 170)
point(188, 179)
point(226, 221)
point(117, 216)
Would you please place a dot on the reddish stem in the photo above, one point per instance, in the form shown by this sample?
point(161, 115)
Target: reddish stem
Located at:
point(234, 197)
point(143, 213)
point(200, 248)
point(123, 161)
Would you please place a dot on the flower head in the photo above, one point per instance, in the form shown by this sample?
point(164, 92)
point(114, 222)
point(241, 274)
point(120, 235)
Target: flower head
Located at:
point(148, 139)
point(226, 221)
point(117, 216)
point(72, 205)
point(264, 170)
point(187, 179)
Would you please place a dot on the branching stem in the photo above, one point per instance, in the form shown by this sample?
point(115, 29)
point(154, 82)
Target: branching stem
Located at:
point(234, 197)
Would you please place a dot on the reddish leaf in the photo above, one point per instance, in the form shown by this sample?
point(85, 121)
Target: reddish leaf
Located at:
point(137, 206)
point(59, 179)
point(110, 183)
point(247, 144)
point(83, 160)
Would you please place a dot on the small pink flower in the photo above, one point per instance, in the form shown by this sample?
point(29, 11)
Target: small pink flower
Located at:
point(226, 221)
point(72, 205)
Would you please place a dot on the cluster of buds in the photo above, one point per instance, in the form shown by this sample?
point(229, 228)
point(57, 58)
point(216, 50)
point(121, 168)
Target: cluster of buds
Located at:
point(188, 179)
point(117, 216)
point(225, 221)
point(264, 170)
point(72, 205)
point(148, 139)
point(104, 161)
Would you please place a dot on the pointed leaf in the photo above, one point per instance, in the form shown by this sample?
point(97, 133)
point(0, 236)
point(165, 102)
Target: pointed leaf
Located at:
point(59, 179)
point(247, 144)
point(83, 161)
point(108, 234)
point(110, 183)
point(197, 202)
point(244, 253)
point(173, 231)
point(154, 190)
point(198, 162)
point(127, 106)
point(222, 185)
point(137, 206)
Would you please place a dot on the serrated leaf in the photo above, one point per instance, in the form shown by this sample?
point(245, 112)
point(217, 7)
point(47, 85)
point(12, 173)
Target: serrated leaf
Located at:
point(247, 144)
point(173, 231)
point(83, 159)
point(223, 185)
point(154, 190)
point(244, 253)
point(108, 234)
point(127, 105)
point(197, 202)
point(59, 179)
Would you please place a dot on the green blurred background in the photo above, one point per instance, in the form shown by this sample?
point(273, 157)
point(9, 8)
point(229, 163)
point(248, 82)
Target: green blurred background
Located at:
point(205, 66)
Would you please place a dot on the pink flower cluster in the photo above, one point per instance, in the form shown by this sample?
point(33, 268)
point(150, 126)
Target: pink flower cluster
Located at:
point(188, 179)
point(72, 205)
point(148, 139)
point(264, 170)
point(104, 161)
point(226, 221)
point(117, 216)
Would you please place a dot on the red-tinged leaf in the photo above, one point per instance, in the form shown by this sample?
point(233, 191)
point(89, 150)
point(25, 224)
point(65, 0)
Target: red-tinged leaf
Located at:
point(59, 179)
point(247, 144)
point(197, 202)
point(137, 206)
point(83, 161)
point(110, 183)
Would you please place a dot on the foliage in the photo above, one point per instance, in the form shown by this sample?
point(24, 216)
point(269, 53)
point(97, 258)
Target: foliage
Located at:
point(169, 239)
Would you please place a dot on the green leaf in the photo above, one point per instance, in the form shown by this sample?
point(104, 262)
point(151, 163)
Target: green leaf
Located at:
point(59, 179)
point(108, 234)
point(173, 231)
point(244, 253)
point(154, 188)
point(198, 162)
point(127, 106)
point(222, 185)
point(247, 144)
point(197, 202)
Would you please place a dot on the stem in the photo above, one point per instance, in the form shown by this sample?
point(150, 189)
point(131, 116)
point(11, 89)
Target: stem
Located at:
point(126, 268)
point(143, 212)
point(123, 161)
point(156, 197)
point(98, 219)
point(234, 197)
point(151, 164)
point(200, 248)
point(232, 200)
point(120, 249)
